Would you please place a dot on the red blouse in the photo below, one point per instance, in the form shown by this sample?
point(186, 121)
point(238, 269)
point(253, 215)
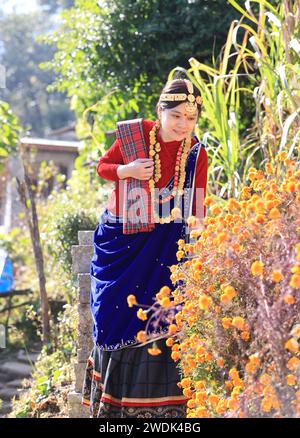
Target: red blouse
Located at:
point(111, 160)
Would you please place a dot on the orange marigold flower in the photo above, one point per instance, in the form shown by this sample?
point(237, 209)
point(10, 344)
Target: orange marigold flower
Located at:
point(131, 300)
point(215, 210)
point(291, 187)
point(277, 276)
point(187, 392)
point(186, 382)
point(191, 404)
point(293, 363)
point(296, 269)
point(208, 357)
point(238, 322)
point(169, 342)
point(213, 399)
point(289, 299)
point(142, 336)
point(220, 362)
point(154, 351)
point(281, 156)
point(226, 322)
point(222, 407)
point(176, 355)
point(208, 201)
point(166, 302)
point(268, 168)
point(233, 373)
point(290, 379)
point(245, 335)
point(274, 213)
point(204, 302)
point(232, 404)
point(225, 299)
point(295, 281)
point(201, 397)
point(266, 404)
point(172, 329)
point(260, 219)
point(230, 292)
point(292, 345)
point(257, 268)
point(165, 291)
point(200, 385)
point(142, 315)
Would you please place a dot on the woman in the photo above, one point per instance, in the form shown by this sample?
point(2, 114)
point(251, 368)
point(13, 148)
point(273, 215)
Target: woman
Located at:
point(157, 167)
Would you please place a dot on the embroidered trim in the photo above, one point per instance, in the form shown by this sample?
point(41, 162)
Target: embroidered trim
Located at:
point(130, 342)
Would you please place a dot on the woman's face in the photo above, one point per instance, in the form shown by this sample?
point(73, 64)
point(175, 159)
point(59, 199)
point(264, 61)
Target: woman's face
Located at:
point(176, 123)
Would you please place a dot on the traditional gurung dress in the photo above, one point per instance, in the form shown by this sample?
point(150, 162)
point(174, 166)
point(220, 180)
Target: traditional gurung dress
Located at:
point(122, 379)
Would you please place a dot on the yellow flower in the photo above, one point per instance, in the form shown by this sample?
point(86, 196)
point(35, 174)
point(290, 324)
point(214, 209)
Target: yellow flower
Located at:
point(213, 400)
point(199, 385)
point(169, 342)
point(131, 300)
point(274, 213)
point(226, 322)
point(245, 336)
point(191, 404)
point(201, 397)
point(289, 299)
point(179, 255)
point(230, 292)
point(292, 345)
point(295, 281)
point(165, 302)
point(208, 201)
point(290, 379)
point(172, 329)
point(142, 336)
point(277, 276)
point(291, 187)
point(293, 363)
point(186, 382)
point(215, 210)
point(187, 392)
point(268, 168)
point(296, 269)
point(225, 299)
point(204, 302)
point(257, 268)
point(238, 322)
point(175, 355)
point(142, 315)
point(281, 156)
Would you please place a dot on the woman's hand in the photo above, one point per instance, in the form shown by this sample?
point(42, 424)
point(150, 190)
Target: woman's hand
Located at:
point(142, 168)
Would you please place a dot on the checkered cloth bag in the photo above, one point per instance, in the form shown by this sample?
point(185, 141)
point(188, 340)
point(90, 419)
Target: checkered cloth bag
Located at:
point(137, 218)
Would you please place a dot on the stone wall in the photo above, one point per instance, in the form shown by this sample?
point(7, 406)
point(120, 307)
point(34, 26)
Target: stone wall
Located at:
point(81, 258)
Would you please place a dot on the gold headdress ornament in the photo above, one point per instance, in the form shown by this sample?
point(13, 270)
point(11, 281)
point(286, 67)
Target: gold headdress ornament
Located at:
point(192, 101)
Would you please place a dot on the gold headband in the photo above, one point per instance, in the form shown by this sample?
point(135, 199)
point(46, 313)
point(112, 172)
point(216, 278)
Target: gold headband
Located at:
point(192, 101)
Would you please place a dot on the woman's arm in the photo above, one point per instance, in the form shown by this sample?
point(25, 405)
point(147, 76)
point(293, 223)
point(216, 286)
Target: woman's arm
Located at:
point(110, 162)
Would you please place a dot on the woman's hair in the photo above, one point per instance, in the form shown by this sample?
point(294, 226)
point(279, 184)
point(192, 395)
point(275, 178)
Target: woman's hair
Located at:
point(176, 86)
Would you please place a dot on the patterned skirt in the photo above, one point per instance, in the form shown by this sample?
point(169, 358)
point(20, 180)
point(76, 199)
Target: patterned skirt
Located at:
point(130, 383)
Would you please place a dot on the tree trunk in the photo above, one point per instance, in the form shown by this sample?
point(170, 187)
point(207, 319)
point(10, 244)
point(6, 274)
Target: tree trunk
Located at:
point(28, 200)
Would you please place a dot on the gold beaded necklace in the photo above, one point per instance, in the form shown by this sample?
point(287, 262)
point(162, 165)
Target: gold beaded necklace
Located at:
point(179, 175)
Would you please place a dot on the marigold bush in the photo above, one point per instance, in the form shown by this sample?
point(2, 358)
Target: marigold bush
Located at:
point(236, 333)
